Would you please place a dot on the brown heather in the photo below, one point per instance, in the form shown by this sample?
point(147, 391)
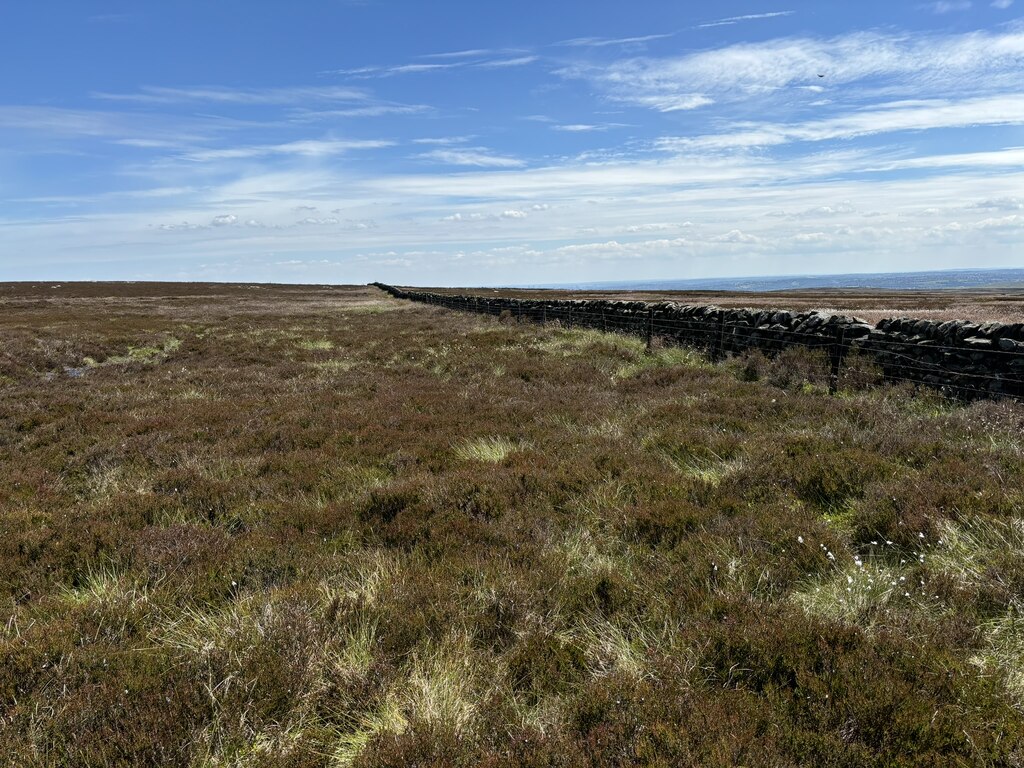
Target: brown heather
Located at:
point(310, 526)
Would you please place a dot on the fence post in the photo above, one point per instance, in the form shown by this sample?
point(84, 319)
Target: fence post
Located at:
point(570, 315)
point(720, 341)
point(604, 323)
point(838, 351)
point(544, 314)
point(650, 328)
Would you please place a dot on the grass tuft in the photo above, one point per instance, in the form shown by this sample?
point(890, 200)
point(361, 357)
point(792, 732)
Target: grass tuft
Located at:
point(316, 345)
point(489, 449)
point(1003, 652)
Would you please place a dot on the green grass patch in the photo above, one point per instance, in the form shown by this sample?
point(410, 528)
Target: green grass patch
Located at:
point(489, 449)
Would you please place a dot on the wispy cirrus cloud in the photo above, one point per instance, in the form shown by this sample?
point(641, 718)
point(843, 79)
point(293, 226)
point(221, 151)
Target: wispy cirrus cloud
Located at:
point(603, 42)
point(470, 52)
point(729, 21)
point(366, 110)
point(518, 61)
point(400, 69)
point(238, 96)
point(922, 65)
point(948, 6)
point(884, 118)
point(587, 127)
point(474, 53)
point(454, 61)
point(443, 141)
point(477, 157)
point(306, 148)
point(129, 129)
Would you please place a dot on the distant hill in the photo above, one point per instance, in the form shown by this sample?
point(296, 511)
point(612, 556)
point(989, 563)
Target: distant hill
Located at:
point(995, 279)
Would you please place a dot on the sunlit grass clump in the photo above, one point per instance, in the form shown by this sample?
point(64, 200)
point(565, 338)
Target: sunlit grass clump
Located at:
point(1003, 652)
point(489, 449)
point(317, 345)
point(661, 357)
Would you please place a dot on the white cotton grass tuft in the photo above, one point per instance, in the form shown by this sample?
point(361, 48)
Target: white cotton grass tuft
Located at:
point(857, 592)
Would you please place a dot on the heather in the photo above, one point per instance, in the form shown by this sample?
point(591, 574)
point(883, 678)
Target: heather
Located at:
point(318, 526)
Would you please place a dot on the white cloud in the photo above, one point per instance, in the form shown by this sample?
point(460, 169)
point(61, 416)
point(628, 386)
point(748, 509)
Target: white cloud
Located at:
point(443, 141)
point(519, 61)
point(472, 52)
point(406, 69)
point(1001, 204)
point(238, 96)
point(475, 157)
point(919, 64)
point(633, 229)
point(949, 6)
point(920, 116)
point(601, 42)
point(418, 67)
point(587, 127)
point(1002, 4)
point(113, 126)
point(736, 236)
point(511, 213)
point(457, 217)
point(880, 222)
point(1013, 222)
point(395, 69)
point(147, 143)
point(1011, 158)
point(749, 17)
point(619, 206)
point(369, 110)
point(308, 148)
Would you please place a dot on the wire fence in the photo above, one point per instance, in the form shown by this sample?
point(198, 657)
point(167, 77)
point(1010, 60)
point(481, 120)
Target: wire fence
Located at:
point(964, 371)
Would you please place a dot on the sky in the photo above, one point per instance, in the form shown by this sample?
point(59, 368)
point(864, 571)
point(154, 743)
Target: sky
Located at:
point(472, 142)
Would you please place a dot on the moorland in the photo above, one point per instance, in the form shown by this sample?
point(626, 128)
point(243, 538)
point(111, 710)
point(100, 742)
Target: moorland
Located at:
point(252, 525)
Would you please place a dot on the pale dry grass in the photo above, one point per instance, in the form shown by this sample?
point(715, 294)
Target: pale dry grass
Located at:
point(488, 449)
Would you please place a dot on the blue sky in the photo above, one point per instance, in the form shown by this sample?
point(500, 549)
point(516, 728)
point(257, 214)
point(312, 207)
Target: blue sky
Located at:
point(519, 143)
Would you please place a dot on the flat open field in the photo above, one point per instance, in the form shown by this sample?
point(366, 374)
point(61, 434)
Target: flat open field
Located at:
point(871, 305)
point(317, 526)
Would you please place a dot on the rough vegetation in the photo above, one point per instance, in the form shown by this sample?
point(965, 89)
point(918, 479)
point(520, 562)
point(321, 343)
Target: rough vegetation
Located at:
point(958, 357)
point(258, 526)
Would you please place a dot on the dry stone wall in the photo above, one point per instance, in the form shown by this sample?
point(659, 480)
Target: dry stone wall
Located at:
point(964, 359)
